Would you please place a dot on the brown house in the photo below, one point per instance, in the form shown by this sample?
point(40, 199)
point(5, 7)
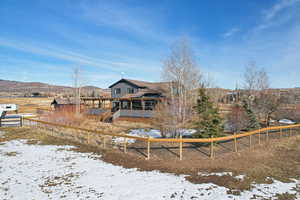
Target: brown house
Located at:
point(131, 98)
point(65, 104)
point(136, 95)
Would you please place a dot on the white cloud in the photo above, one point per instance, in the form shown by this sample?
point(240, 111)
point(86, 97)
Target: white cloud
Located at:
point(278, 7)
point(136, 20)
point(57, 53)
point(74, 57)
point(138, 67)
point(231, 32)
point(276, 15)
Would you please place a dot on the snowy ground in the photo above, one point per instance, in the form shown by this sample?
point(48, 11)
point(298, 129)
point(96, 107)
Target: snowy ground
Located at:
point(156, 133)
point(153, 133)
point(53, 172)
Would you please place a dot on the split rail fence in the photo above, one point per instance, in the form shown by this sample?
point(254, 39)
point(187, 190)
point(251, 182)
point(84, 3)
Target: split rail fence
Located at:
point(180, 141)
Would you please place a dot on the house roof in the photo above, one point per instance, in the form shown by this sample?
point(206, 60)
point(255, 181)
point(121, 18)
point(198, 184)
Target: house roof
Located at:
point(69, 100)
point(153, 87)
point(141, 93)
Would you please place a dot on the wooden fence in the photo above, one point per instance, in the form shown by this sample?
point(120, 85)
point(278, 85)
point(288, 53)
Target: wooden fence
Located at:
point(211, 141)
point(10, 121)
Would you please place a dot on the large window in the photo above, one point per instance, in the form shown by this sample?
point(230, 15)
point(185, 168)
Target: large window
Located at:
point(117, 90)
point(130, 90)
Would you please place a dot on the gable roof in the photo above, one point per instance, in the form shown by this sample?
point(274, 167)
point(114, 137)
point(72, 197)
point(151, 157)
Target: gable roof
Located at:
point(135, 83)
point(70, 100)
point(154, 86)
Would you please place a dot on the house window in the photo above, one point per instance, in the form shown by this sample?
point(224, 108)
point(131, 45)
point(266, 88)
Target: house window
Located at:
point(117, 90)
point(130, 90)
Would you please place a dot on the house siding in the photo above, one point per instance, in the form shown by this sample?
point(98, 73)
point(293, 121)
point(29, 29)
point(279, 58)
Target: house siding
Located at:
point(123, 86)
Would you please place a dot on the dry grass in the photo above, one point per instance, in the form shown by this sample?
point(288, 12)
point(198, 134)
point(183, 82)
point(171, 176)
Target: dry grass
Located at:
point(13, 153)
point(28, 105)
point(279, 160)
point(69, 118)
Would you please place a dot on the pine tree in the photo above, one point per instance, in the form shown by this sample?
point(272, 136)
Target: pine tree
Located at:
point(209, 123)
point(252, 123)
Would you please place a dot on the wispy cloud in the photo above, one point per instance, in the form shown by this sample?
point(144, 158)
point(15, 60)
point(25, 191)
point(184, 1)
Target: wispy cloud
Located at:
point(60, 53)
point(230, 32)
point(278, 7)
point(137, 21)
point(276, 15)
point(71, 58)
point(57, 53)
point(276, 49)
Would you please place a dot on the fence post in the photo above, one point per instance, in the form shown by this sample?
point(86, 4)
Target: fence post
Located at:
point(267, 135)
point(112, 141)
point(290, 132)
point(259, 137)
point(88, 138)
point(280, 135)
point(125, 145)
point(211, 148)
point(250, 141)
point(104, 142)
point(180, 148)
point(235, 143)
point(148, 148)
point(21, 121)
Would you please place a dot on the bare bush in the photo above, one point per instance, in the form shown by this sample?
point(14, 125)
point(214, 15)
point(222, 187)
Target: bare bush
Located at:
point(65, 116)
point(237, 119)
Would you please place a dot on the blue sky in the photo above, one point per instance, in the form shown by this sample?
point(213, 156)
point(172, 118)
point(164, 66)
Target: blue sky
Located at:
point(44, 40)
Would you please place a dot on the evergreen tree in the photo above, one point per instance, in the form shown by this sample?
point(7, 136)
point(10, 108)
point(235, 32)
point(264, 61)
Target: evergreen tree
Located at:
point(252, 123)
point(209, 123)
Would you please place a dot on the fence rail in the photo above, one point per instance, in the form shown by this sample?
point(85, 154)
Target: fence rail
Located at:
point(180, 140)
point(86, 130)
point(11, 121)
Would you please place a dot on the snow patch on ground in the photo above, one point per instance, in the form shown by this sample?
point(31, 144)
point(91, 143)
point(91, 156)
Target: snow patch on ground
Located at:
point(54, 172)
point(152, 133)
point(238, 177)
point(215, 174)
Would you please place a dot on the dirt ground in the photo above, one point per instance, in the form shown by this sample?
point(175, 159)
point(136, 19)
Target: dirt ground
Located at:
point(28, 105)
point(278, 159)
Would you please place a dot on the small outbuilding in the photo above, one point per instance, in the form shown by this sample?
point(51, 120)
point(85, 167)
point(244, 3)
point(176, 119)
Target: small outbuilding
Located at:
point(65, 104)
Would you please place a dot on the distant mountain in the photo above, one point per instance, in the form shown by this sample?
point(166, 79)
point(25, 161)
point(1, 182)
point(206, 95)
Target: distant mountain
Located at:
point(8, 88)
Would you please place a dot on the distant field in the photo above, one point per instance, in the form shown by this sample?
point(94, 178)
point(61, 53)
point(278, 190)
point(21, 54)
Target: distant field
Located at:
point(29, 104)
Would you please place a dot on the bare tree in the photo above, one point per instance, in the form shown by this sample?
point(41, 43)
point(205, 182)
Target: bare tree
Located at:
point(77, 89)
point(181, 71)
point(255, 80)
point(250, 78)
point(259, 96)
point(267, 104)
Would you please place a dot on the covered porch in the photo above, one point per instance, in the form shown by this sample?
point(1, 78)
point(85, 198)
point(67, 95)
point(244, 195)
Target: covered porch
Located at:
point(143, 103)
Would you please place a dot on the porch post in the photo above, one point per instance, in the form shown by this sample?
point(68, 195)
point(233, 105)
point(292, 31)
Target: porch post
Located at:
point(130, 104)
point(143, 104)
